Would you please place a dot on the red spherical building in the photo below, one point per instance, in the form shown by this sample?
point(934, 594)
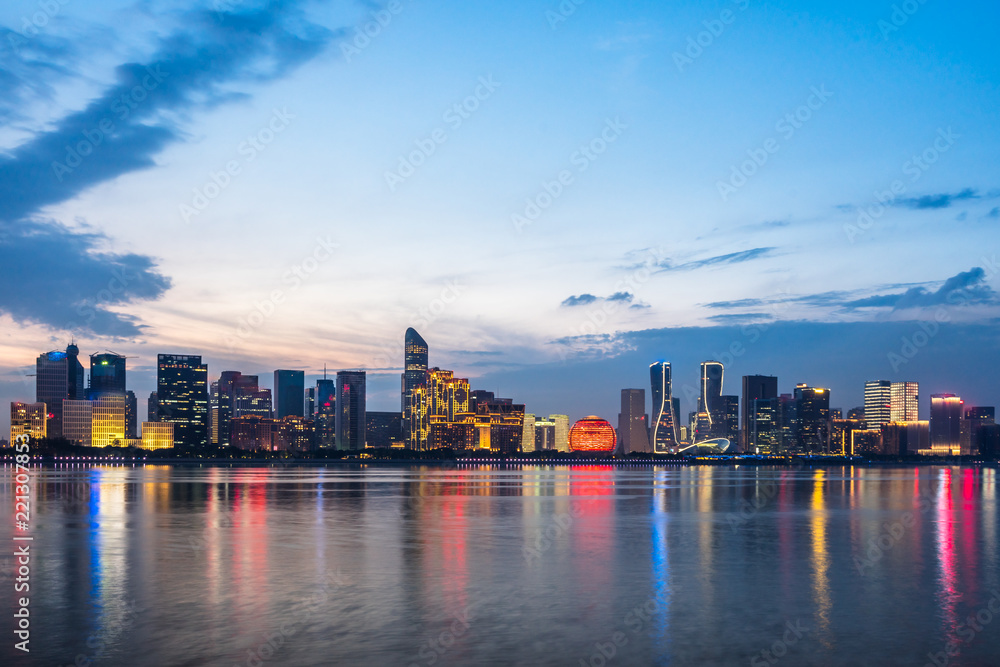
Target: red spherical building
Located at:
point(592, 434)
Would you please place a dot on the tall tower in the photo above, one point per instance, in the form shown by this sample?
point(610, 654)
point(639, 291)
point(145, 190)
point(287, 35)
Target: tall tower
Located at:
point(905, 403)
point(664, 436)
point(182, 397)
point(414, 389)
point(946, 423)
point(633, 423)
point(710, 399)
point(289, 393)
point(351, 421)
point(878, 403)
point(58, 376)
point(107, 375)
point(812, 418)
point(755, 387)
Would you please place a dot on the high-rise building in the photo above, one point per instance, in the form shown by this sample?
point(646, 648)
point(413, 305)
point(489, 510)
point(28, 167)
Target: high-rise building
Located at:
point(152, 408)
point(289, 393)
point(131, 416)
point(293, 433)
point(213, 413)
point(325, 416)
point(384, 429)
point(252, 402)
point(710, 396)
point(633, 423)
point(664, 427)
point(561, 432)
point(729, 426)
point(878, 403)
point(238, 395)
point(108, 421)
point(988, 441)
point(350, 421)
point(905, 438)
point(946, 424)
point(78, 418)
point(765, 420)
point(499, 425)
point(107, 375)
point(905, 402)
point(528, 433)
point(414, 383)
point(975, 419)
point(182, 397)
point(545, 434)
point(58, 376)
point(28, 419)
point(755, 387)
point(157, 435)
point(812, 419)
point(841, 434)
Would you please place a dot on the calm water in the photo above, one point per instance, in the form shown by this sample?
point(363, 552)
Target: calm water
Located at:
point(498, 566)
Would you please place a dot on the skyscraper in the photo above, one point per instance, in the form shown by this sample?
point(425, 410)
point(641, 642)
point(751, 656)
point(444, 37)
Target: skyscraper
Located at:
point(289, 394)
point(560, 432)
point(351, 422)
point(946, 424)
point(414, 383)
point(152, 408)
point(182, 397)
point(58, 376)
point(975, 420)
point(237, 395)
point(131, 414)
point(664, 436)
point(325, 415)
point(28, 419)
point(108, 421)
point(78, 420)
point(528, 433)
point(878, 403)
point(384, 429)
point(905, 402)
point(755, 387)
point(107, 375)
point(710, 397)
point(633, 423)
point(812, 419)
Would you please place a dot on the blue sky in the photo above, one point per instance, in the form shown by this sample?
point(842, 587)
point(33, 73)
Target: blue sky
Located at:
point(554, 198)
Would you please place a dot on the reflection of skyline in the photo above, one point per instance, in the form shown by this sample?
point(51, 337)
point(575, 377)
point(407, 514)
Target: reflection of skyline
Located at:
point(820, 557)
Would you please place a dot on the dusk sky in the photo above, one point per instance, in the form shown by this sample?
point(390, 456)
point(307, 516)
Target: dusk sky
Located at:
point(555, 196)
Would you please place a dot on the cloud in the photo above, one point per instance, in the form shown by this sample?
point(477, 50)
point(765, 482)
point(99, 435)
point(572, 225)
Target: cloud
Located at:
point(582, 300)
point(587, 299)
point(120, 131)
point(995, 213)
point(731, 258)
point(621, 296)
point(938, 201)
point(966, 288)
point(741, 318)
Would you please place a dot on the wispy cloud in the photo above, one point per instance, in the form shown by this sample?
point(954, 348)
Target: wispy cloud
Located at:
point(944, 200)
point(587, 299)
point(971, 284)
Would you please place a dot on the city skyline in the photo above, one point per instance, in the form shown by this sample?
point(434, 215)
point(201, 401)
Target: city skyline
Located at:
point(885, 247)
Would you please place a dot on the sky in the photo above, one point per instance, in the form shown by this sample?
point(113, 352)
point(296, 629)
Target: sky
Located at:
point(554, 194)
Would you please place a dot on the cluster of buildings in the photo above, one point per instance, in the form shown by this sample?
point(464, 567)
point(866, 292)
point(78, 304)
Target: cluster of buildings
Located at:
point(438, 410)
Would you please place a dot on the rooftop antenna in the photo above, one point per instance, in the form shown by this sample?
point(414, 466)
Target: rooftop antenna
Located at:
point(324, 371)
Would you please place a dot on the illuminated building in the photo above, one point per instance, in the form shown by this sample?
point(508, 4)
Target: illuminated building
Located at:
point(528, 433)
point(905, 402)
point(633, 423)
point(812, 419)
point(499, 425)
point(58, 376)
point(350, 419)
point(182, 396)
point(294, 433)
point(664, 436)
point(545, 435)
point(78, 417)
point(592, 434)
point(713, 447)
point(157, 435)
point(325, 414)
point(878, 403)
point(238, 395)
point(152, 408)
point(458, 434)
point(414, 404)
point(946, 424)
point(251, 433)
point(213, 413)
point(561, 431)
point(754, 387)
point(384, 429)
point(728, 427)
point(107, 375)
point(856, 413)
point(903, 438)
point(253, 402)
point(289, 393)
point(28, 419)
point(840, 434)
point(108, 421)
point(710, 397)
point(765, 420)
point(866, 442)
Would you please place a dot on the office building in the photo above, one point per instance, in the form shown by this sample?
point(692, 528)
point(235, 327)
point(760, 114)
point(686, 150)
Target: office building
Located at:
point(664, 427)
point(633, 422)
point(131, 416)
point(182, 397)
point(325, 412)
point(107, 375)
point(765, 422)
point(157, 435)
point(350, 419)
point(28, 419)
point(545, 434)
point(975, 419)
point(906, 438)
point(78, 417)
point(905, 402)
point(878, 403)
point(384, 429)
point(414, 402)
point(152, 408)
point(812, 419)
point(289, 394)
point(710, 397)
point(292, 433)
point(58, 376)
point(560, 432)
point(988, 441)
point(947, 412)
point(841, 434)
point(528, 433)
point(499, 425)
point(108, 421)
point(754, 387)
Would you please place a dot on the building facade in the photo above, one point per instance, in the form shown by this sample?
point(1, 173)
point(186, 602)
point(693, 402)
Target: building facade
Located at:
point(182, 398)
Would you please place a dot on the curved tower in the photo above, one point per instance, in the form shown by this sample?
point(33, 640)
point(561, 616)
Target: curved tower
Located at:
point(415, 354)
point(710, 400)
point(664, 428)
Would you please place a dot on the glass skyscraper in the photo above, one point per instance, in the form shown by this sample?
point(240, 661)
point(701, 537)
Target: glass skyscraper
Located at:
point(289, 393)
point(107, 375)
point(664, 435)
point(414, 385)
point(351, 422)
point(58, 376)
point(182, 397)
